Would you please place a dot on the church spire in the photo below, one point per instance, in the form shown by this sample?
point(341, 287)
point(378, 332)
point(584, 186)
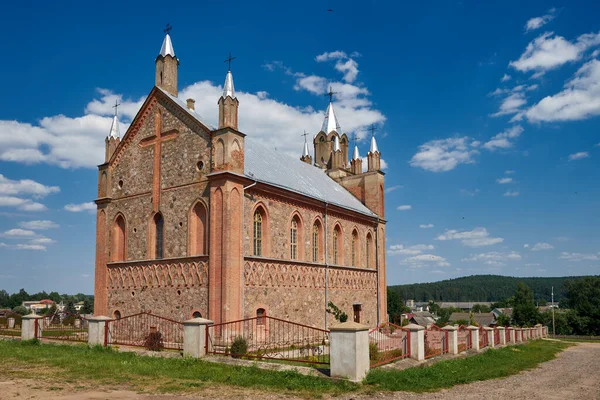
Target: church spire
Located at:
point(305, 154)
point(336, 144)
point(228, 103)
point(355, 156)
point(167, 65)
point(167, 46)
point(330, 123)
point(228, 87)
point(374, 156)
point(114, 128)
point(373, 148)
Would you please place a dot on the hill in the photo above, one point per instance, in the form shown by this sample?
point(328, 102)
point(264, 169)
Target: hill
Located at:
point(482, 288)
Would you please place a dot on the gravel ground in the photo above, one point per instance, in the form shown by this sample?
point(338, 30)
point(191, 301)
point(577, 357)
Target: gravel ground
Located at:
point(574, 374)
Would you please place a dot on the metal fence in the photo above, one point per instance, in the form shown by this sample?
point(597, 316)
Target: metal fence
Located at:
point(465, 341)
point(140, 330)
point(10, 326)
point(436, 341)
point(483, 338)
point(388, 342)
point(496, 337)
point(65, 326)
point(269, 338)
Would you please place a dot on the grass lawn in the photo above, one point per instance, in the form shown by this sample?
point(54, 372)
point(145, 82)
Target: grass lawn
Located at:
point(79, 363)
point(494, 363)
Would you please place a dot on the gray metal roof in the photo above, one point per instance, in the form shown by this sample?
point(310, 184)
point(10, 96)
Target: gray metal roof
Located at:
point(228, 86)
point(114, 128)
point(167, 47)
point(279, 169)
point(330, 123)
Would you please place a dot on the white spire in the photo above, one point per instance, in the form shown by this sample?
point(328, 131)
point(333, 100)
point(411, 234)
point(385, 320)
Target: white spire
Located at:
point(355, 156)
point(336, 143)
point(167, 47)
point(228, 87)
point(373, 148)
point(305, 151)
point(114, 128)
point(331, 123)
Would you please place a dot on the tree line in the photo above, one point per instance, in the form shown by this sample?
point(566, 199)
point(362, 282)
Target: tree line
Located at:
point(14, 301)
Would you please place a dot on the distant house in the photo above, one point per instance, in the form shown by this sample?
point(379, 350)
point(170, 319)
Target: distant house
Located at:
point(481, 319)
point(37, 305)
point(423, 318)
point(505, 311)
point(463, 305)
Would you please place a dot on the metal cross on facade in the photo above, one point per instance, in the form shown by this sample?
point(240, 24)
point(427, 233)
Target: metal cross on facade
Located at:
point(168, 29)
point(330, 94)
point(116, 107)
point(228, 61)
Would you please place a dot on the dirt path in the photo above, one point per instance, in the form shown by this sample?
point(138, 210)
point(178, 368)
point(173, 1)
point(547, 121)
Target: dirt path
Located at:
point(575, 374)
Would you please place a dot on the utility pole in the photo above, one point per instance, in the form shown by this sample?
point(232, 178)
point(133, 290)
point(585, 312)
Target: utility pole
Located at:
point(553, 325)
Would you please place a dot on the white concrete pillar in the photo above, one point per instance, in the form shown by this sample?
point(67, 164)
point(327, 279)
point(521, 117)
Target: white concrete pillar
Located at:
point(474, 330)
point(11, 323)
point(31, 327)
point(490, 335)
point(502, 333)
point(452, 339)
point(349, 351)
point(97, 330)
point(417, 341)
point(194, 337)
point(511, 335)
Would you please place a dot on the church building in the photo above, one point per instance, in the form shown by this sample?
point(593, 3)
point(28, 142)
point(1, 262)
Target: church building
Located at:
point(197, 220)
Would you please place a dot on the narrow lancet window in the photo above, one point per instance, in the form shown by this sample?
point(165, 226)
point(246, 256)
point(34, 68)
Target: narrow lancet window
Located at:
point(257, 234)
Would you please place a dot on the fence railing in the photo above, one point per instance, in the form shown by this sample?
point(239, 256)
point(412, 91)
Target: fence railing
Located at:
point(388, 342)
point(483, 338)
point(65, 326)
point(464, 339)
point(140, 329)
point(269, 338)
point(10, 326)
point(496, 337)
point(436, 341)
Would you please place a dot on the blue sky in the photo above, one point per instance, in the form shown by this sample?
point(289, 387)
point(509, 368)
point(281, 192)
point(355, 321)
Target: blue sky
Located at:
point(487, 119)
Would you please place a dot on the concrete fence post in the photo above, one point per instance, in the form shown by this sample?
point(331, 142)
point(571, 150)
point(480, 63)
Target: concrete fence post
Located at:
point(511, 335)
point(490, 335)
point(452, 338)
point(349, 351)
point(502, 333)
point(474, 331)
point(417, 341)
point(194, 337)
point(11, 323)
point(519, 335)
point(31, 327)
point(97, 330)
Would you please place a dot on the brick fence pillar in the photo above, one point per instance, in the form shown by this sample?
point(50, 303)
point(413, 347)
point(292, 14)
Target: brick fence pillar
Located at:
point(349, 351)
point(490, 335)
point(501, 332)
point(31, 327)
point(194, 337)
point(417, 341)
point(97, 330)
point(474, 331)
point(452, 339)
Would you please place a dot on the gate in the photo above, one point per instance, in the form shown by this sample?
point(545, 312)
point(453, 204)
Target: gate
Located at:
point(269, 338)
point(134, 330)
point(436, 341)
point(387, 343)
point(65, 326)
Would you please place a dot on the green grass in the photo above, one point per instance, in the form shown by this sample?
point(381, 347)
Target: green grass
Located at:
point(494, 363)
point(108, 367)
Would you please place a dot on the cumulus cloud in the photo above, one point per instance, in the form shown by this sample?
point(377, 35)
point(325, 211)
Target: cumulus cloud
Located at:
point(577, 257)
point(25, 187)
point(510, 194)
point(21, 204)
point(38, 225)
point(579, 100)
point(542, 246)
point(493, 257)
point(344, 64)
point(19, 233)
point(42, 240)
point(550, 51)
point(405, 207)
point(478, 237)
point(23, 246)
point(509, 172)
point(426, 226)
point(445, 154)
point(423, 260)
point(91, 207)
point(579, 156)
point(504, 181)
point(393, 188)
point(504, 140)
point(538, 22)
point(398, 249)
point(505, 78)
point(511, 104)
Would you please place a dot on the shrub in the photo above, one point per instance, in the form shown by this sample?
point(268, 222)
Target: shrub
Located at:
point(239, 347)
point(336, 312)
point(373, 352)
point(20, 310)
point(154, 341)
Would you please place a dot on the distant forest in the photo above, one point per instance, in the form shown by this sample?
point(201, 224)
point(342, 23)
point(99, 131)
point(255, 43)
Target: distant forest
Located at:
point(483, 288)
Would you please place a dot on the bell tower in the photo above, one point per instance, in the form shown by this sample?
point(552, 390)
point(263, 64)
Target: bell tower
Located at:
point(167, 65)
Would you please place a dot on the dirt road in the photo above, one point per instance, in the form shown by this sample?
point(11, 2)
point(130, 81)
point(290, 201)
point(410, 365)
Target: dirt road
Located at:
point(575, 374)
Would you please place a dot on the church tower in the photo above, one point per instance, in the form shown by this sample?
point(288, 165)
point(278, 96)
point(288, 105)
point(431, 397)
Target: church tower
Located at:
point(166, 66)
point(228, 105)
point(305, 154)
point(330, 140)
point(114, 137)
point(374, 156)
point(356, 162)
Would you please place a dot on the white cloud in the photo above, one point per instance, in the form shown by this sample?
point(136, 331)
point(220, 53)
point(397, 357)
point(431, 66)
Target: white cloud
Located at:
point(422, 260)
point(504, 181)
point(510, 194)
point(532, 265)
point(21, 204)
point(426, 226)
point(579, 100)
point(38, 225)
point(493, 257)
point(542, 246)
point(526, 245)
point(478, 237)
point(444, 154)
point(25, 187)
point(333, 55)
point(398, 249)
point(42, 240)
point(471, 193)
point(511, 104)
point(393, 188)
point(405, 207)
point(91, 207)
point(578, 156)
point(509, 172)
point(577, 257)
point(504, 140)
point(19, 233)
point(314, 84)
point(505, 78)
point(22, 246)
point(549, 51)
point(538, 22)
point(349, 68)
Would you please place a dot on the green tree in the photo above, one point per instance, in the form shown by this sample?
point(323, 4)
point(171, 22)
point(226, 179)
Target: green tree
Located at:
point(21, 310)
point(525, 313)
point(70, 307)
point(583, 298)
point(481, 308)
point(88, 307)
point(4, 298)
point(395, 306)
point(503, 320)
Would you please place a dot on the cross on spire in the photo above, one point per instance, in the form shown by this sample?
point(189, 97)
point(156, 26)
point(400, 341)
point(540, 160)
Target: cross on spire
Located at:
point(330, 94)
point(167, 29)
point(372, 129)
point(116, 107)
point(305, 135)
point(228, 61)
point(354, 138)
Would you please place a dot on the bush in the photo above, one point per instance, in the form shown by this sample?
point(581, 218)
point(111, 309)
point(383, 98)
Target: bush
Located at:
point(239, 347)
point(20, 310)
point(373, 352)
point(154, 341)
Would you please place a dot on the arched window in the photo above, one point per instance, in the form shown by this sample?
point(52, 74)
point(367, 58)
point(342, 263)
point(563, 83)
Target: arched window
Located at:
point(338, 246)
point(294, 239)
point(220, 152)
point(159, 231)
point(117, 314)
point(354, 248)
point(317, 242)
point(335, 246)
point(118, 239)
point(196, 314)
point(260, 316)
point(369, 251)
point(258, 232)
point(197, 230)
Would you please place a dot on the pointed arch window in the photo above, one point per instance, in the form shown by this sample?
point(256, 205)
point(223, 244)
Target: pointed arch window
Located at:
point(335, 247)
point(338, 246)
point(257, 233)
point(294, 239)
point(118, 240)
point(369, 251)
point(315, 242)
point(158, 223)
point(197, 230)
point(354, 248)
